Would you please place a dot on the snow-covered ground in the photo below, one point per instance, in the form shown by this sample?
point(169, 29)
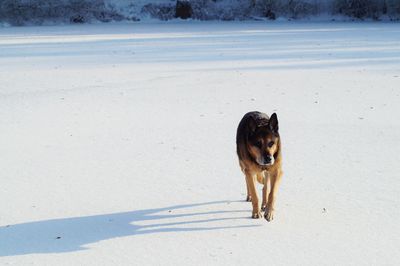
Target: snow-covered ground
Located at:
point(117, 143)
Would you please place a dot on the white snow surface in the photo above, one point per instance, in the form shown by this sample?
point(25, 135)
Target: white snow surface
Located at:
point(117, 143)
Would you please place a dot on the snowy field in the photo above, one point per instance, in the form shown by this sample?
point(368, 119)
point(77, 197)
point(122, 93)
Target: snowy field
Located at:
point(117, 143)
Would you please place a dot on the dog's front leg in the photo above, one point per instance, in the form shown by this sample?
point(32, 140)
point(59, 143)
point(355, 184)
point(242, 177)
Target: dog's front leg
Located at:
point(251, 179)
point(266, 190)
point(275, 179)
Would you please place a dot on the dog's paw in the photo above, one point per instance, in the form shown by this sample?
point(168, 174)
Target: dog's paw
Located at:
point(256, 215)
point(248, 198)
point(269, 215)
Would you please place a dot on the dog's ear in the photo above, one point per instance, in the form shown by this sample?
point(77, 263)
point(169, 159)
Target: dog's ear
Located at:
point(273, 123)
point(252, 125)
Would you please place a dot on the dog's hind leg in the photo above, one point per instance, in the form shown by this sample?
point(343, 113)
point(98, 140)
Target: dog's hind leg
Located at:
point(248, 197)
point(251, 179)
point(243, 168)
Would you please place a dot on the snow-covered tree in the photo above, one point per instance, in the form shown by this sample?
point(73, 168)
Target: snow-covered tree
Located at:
point(19, 12)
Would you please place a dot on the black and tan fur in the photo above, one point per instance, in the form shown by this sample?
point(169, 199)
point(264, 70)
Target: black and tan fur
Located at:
point(259, 151)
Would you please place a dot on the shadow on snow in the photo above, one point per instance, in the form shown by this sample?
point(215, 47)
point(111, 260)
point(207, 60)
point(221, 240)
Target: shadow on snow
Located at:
point(71, 234)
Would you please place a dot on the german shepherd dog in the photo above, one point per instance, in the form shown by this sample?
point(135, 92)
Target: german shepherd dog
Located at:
point(259, 151)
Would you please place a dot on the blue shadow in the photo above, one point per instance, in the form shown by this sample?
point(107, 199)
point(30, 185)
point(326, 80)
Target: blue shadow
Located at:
point(71, 234)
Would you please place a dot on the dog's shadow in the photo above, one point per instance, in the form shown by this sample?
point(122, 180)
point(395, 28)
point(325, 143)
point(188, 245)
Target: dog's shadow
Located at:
point(72, 234)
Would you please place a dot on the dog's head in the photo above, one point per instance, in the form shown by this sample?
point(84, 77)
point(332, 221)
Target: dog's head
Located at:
point(263, 141)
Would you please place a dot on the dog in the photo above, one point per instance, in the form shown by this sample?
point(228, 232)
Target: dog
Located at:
point(259, 151)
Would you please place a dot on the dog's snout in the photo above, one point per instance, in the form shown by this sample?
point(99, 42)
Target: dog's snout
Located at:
point(267, 159)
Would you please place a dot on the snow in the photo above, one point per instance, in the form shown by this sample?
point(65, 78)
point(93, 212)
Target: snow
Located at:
point(118, 143)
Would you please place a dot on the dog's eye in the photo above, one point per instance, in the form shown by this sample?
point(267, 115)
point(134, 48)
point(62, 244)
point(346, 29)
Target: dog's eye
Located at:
point(271, 143)
point(259, 144)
